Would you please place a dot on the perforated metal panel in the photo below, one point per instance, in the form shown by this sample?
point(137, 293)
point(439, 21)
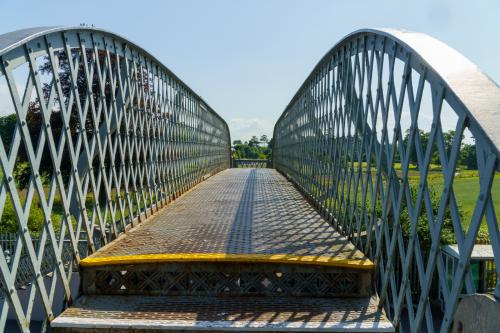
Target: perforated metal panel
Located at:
point(227, 279)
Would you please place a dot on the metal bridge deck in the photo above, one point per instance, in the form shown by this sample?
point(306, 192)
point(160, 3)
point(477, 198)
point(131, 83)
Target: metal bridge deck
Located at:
point(238, 215)
point(218, 314)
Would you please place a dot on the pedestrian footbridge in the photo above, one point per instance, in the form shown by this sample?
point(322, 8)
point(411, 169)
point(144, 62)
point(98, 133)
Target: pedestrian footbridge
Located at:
point(241, 251)
point(120, 211)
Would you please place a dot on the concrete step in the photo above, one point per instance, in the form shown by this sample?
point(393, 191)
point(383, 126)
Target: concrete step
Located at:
point(227, 279)
point(139, 314)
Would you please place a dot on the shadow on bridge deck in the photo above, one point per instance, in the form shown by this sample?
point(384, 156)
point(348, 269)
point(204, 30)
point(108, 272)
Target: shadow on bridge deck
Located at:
point(242, 251)
point(243, 215)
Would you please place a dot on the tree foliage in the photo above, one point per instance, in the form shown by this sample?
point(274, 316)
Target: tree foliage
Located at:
point(423, 223)
point(253, 149)
point(467, 155)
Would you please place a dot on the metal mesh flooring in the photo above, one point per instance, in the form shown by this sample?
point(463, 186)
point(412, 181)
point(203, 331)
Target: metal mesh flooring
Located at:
point(246, 212)
point(139, 313)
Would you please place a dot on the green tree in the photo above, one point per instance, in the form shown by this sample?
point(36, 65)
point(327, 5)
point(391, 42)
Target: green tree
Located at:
point(254, 141)
point(448, 137)
point(424, 139)
point(423, 227)
point(468, 156)
point(251, 149)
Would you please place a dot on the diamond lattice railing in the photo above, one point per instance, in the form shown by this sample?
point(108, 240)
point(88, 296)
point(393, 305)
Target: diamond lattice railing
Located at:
point(380, 137)
point(96, 135)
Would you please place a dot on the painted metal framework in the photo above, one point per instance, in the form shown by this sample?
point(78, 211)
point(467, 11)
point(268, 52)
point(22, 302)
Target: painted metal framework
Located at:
point(227, 279)
point(346, 140)
point(133, 134)
point(250, 163)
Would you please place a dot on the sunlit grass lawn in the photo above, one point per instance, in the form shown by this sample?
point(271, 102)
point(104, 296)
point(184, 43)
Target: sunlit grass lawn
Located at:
point(466, 190)
point(465, 187)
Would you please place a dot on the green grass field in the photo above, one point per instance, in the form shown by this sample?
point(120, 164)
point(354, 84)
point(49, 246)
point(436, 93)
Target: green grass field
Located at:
point(466, 189)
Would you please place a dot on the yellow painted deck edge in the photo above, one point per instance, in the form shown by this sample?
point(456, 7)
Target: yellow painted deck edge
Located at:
point(224, 257)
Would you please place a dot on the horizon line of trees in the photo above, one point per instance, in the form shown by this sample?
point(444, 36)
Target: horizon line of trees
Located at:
point(261, 148)
point(254, 148)
point(467, 155)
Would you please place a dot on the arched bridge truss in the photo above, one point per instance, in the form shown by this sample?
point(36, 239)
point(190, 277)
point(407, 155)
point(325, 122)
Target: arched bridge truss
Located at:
point(352, 139)
point(108, 135)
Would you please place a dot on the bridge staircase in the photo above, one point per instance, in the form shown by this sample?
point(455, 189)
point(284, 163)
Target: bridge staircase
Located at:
point(242, 251)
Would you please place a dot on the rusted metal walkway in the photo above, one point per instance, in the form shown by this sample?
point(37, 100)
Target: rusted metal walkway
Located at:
point(242, 250)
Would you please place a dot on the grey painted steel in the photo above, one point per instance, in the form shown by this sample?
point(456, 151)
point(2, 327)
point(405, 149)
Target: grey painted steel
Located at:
point(227, 280)
point(196, 314)
point(147, 138)
point(342, 133)
point(250, 163)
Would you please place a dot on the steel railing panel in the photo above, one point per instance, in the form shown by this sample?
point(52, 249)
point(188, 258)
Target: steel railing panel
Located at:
point(362, 138)
point(107, 135)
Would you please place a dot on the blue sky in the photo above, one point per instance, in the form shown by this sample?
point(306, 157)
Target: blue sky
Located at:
point(248, 58)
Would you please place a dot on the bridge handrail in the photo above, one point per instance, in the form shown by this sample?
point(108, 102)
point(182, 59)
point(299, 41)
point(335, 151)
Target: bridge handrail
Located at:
point(103, 136)
point(251, 163)
point(11, 40)
point(476, 91)
point(335, 142)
